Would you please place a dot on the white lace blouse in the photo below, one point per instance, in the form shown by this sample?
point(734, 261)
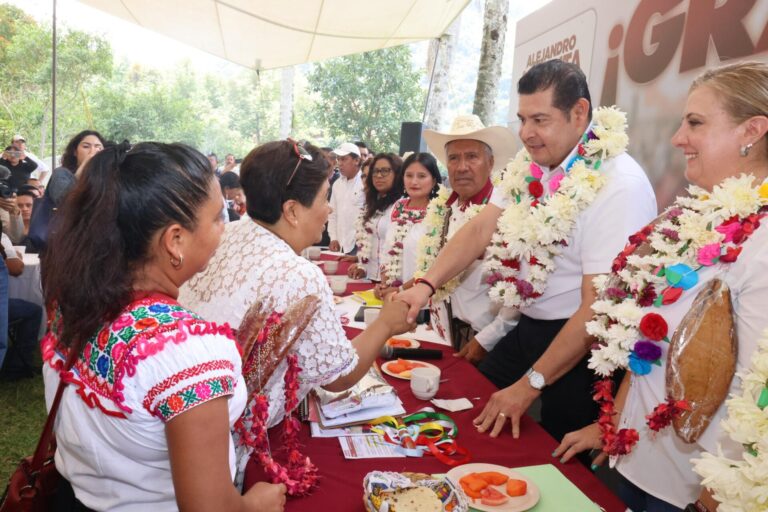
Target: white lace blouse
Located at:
point(253, 264)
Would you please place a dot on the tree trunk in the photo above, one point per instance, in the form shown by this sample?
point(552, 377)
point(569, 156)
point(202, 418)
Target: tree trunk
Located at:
point(286, 102)
point(491, 54)
point(438, 65)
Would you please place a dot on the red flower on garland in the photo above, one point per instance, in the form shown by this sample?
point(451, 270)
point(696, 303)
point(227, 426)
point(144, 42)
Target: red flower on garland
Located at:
point(663, 414)
point(654, 327)
point(536, 189)
point(731, 255)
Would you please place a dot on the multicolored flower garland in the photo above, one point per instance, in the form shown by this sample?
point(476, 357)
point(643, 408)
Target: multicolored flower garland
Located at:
point(299, 474)
point(403, 219)
point(533, 228)
point(743, 484)
point(704, 229)
point(429, 245)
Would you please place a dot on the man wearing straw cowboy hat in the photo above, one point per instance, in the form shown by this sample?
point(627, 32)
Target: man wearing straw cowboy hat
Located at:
point(470, 151)
point(545, 355)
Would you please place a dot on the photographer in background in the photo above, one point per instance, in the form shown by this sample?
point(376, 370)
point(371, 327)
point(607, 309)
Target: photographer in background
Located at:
point(42, 171)
point(10, 214)
point(20, 166)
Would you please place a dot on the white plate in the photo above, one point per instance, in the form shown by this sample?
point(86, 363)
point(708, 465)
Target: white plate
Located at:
point(515, 504)
point(384, 368)
point(413, 343)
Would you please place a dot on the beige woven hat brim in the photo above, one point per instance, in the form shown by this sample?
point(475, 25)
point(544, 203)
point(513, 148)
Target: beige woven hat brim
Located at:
point(501, 140)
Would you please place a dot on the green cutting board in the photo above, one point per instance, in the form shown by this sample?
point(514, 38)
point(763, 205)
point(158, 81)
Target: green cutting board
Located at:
point(557, 492)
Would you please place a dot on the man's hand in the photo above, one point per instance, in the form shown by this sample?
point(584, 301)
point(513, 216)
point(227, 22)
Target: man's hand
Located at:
point(510, 404)
point(393, 315)
point(9, 205)
point(416, 297)
point(334, 246)
point(355, 272)
point(573, 443)
point(472, 352)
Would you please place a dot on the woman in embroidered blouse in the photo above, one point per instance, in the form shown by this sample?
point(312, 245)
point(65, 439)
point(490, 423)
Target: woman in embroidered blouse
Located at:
point(259, 265)
point(720, 234)
point(422, 179)
point(384, 186)
point(154, 389)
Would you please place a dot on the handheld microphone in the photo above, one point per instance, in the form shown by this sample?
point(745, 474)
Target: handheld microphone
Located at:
point(388, 352)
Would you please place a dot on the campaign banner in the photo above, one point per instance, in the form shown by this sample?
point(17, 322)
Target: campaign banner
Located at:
point(642, 55)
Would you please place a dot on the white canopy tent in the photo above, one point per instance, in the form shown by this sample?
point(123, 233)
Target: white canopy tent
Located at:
point(268, 34)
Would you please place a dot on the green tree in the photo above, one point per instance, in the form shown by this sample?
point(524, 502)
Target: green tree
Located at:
point(366, 96)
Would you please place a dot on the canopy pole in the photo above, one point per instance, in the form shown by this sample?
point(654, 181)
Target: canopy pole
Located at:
point(431, 79)
point(53, 91)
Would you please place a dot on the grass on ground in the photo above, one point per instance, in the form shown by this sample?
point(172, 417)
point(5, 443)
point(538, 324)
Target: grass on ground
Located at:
point(22, 415)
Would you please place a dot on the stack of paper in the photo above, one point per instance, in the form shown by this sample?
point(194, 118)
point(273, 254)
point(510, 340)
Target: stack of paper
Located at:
point(369, 399)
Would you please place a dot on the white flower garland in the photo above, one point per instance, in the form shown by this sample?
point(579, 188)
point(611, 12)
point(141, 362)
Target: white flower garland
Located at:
point(531, 230)
point(686, 229)
point(363, 234)
point(743, 484)
point(403, 220)
point(429, 245)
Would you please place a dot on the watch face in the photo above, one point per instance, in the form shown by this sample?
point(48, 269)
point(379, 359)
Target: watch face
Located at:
point(536, 379)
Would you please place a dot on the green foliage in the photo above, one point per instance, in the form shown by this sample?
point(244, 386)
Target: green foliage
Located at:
point(366, 96)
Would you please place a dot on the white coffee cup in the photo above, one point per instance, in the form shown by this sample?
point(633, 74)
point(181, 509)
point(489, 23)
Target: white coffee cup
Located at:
point(330, 267)
point(370, 315)
point(424, 382)
point(338, 284)
point(313, 253)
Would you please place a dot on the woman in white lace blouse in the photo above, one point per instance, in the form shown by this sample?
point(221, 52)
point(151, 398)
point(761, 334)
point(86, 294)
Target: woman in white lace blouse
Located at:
point(258, 262)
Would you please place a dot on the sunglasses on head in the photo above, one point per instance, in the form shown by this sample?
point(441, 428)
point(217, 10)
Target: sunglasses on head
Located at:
point(302, 154)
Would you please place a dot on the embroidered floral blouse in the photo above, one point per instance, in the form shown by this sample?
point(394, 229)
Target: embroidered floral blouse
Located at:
point(154, 362)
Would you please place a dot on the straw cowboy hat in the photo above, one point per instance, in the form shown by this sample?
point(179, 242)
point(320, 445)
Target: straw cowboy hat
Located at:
point(500, 139)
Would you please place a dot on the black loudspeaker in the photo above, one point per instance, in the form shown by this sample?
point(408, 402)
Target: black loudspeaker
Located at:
point(411, 138)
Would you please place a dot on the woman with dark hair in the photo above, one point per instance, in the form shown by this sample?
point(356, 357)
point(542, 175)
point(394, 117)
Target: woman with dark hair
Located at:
point(383, 186)
point(153, 390)
point(258, 279)
point(77, 153)
point(422, 179)
point(79, 150)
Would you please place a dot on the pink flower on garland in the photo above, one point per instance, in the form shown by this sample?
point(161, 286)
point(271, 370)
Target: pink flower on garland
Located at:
point(536, 171)
point(708, 255)
point(728, 228)
point(554, 183)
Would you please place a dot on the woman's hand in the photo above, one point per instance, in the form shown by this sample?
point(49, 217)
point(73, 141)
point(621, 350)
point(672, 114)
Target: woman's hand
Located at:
point(355, 272)
point(393, 315)
point(266, 497)
point(573, 443)
point(348, 257)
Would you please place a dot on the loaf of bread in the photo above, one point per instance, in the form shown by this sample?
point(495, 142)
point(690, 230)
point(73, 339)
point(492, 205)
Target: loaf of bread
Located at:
point(702, 359)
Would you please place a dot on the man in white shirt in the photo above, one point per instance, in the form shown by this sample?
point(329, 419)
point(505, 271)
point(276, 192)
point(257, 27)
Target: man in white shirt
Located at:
point(546, 354)
point(471, 152)
point(347, 199)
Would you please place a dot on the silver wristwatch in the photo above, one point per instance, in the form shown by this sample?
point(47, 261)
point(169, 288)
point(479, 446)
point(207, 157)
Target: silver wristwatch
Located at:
point(535, 379)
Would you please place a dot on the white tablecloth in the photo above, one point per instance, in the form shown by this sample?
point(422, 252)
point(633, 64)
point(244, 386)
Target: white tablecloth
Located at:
point(27, 285)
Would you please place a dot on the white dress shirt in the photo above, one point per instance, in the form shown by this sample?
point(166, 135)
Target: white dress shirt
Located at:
point(347, 202)
point(470, 302)
point(623, 205)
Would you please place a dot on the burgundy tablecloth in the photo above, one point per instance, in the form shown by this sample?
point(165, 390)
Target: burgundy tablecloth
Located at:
point(340, 486)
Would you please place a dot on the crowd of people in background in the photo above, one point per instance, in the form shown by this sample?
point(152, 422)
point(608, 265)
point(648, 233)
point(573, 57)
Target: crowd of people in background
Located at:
point(521, 259)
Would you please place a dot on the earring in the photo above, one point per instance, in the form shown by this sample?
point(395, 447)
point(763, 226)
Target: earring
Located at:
point(178, 265)
point(744, 150)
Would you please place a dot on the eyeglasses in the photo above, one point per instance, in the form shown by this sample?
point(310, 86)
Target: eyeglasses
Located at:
point(383, 171)
point(303, 154)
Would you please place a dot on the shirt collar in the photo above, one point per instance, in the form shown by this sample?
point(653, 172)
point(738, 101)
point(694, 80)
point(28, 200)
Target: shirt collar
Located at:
point(479, 198)
point(568, 158)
